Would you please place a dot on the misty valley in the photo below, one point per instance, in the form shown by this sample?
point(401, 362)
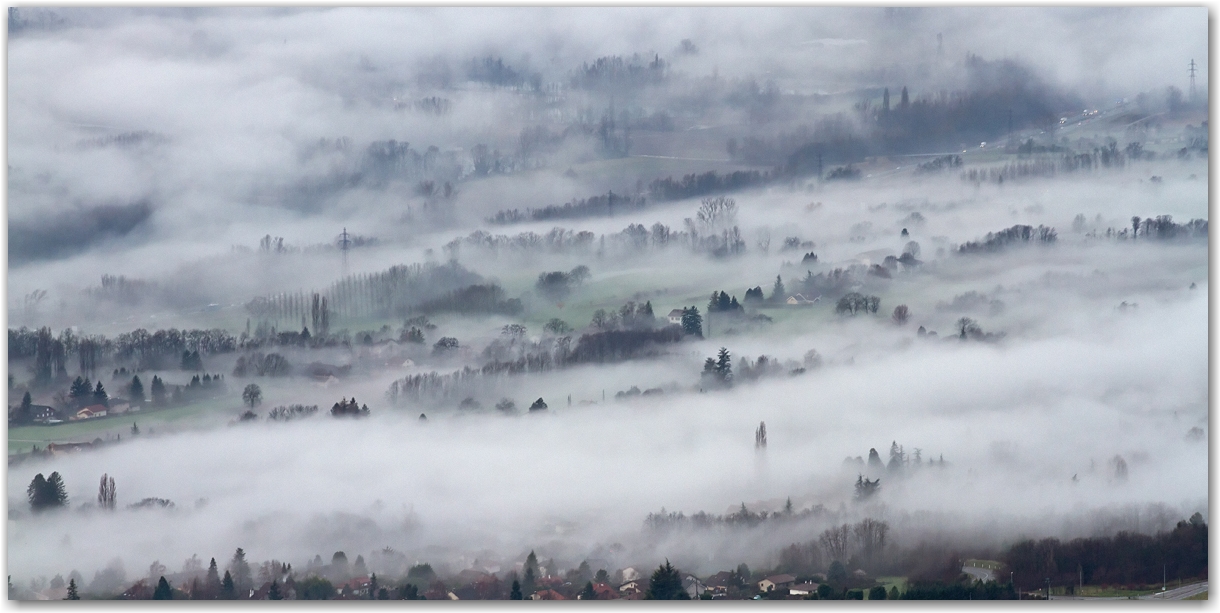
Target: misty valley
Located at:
point(628, 303)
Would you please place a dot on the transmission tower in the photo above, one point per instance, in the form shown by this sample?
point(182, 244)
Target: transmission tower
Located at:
point(345, 243)
point(1192, 79)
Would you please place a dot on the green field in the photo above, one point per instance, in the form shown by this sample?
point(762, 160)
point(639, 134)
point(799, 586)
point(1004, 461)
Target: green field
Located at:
point(22, 439)
point(891, 582)
point(1202, 596)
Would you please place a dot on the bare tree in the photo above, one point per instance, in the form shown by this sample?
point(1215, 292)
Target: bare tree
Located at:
point(901, 314)
point(836, 542)
point(716, 214)
point(870, 535)
point(106, 493)
point(760, 436)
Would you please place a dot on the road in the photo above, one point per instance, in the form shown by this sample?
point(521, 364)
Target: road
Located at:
point(1181, 593)
point(980, 574)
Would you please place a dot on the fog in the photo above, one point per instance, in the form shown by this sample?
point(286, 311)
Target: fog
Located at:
point(199, 170)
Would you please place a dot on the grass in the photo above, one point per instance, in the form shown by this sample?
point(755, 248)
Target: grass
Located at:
point(890, 582)
point(22, 439)
point(1112, 592)
point(1201, 596)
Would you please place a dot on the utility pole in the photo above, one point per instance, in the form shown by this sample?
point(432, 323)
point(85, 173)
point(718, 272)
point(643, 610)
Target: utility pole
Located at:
point(1192, 79)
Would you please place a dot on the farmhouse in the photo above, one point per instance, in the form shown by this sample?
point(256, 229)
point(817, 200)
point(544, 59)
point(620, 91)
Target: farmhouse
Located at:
point(776, 582)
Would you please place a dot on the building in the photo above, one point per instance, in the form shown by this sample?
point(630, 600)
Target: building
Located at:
point(797, 299)
point(91, 411)
point(776, 582)
point(675, 316)
point(803, 589)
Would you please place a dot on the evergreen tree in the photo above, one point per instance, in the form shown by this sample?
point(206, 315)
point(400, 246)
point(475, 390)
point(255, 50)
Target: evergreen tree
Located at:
point(136, 389)
point(274, 592)
point(777, 291)
point(72, 593)
point(212, 585)
point(372, 585)
point(724, 366)
point(692, 322)
point(228, 591)
point(163, 591)
point(100, 396)
point(515, 594)
point(241, 570)
point(157, 390)
point(135, 429)
point(588, 593)
point(25, 413)
point(79, 392)
point(50, 493)
point(666, 584)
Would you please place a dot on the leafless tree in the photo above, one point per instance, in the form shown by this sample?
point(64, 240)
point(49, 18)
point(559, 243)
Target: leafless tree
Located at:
point(760, 436)
point(106, 493)
point(870, 535)
point(836, 542)
point(716, 214)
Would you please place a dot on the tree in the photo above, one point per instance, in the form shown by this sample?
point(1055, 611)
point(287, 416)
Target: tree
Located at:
point(836, 575)
point(557, 326)
point(106, 493)
point(724, 366)
point(228, 591)
point(72, 593)
point(836, 542)
point(241, 570)
point(100, 396)
point(538, 405)
point(515, 594)
point(777, 291)
point(865, 489)
point(666, 584)
point(692, 322)
point(901, 314)
point(317, 588)
point(1135, 226)
point(46, 493)
point(274, 592)
point(136, 389)
point(135, 429)
point(252, 395)
point(157, 390)
point(79, 391)
point(163, 591)
point(967, 327)
point(588, 593)
point(212, 584)
point(25, 412)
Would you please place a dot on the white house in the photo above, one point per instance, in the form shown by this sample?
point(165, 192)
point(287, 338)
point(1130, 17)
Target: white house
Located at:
point(675, 316)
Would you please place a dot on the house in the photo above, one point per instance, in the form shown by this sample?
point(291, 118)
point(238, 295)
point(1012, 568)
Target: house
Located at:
point(91, 411)
point(675, 316)
point(43, 414)
point(693, 586)
point(634, 587)
point(547, 595)
point(776, 582)
point(803, 589)
point(604, 591)
point(797, 299)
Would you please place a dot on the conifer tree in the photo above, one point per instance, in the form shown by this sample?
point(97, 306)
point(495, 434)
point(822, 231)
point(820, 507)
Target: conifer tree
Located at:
point(72, 593)
point(228, 591)
point(163, 591)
